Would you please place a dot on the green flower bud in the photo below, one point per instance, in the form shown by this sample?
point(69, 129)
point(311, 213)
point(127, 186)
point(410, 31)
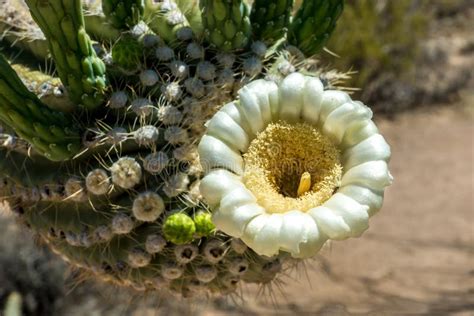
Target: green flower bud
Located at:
point(204, 224)
point(179, 228)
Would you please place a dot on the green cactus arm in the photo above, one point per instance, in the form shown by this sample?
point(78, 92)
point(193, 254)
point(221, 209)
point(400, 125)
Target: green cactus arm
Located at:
point(81, 71)
point(123, 14)
point(165, 19)
point(226, 23)
point(190, 9)
point(313, 24)
point(98, 28)
point(49, 89)
point(270, 20)
point(49, 131)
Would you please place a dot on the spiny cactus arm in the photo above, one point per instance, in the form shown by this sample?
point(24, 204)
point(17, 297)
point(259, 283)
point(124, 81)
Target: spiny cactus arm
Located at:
point(81, 71)
point(49, 131)
point(165, 19)
point(270, 20)
point(226, 23)
point(74, 217)
point(191, 11)
point(313, 24)
point(98, 28)
point(123, 14)
point(25, 169)
point(49, 89)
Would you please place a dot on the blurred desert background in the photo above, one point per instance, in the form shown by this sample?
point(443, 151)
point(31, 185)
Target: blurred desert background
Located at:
point(413, 61)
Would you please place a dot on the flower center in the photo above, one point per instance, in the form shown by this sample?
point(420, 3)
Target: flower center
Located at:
point(292, 167)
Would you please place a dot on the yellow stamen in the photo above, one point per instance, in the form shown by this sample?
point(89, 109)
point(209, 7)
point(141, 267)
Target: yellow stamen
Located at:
point(305, 183)
point(292, 167)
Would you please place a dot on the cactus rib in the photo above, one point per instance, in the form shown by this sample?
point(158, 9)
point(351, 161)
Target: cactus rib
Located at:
point(81, 71)
point(226, 23)
point(270, 20)
point(47, 130)
point(313, 24)
point(123, 14)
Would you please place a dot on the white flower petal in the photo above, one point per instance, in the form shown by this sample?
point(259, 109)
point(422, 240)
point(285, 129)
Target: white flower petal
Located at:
point(331, 224)
point(373, 175)
point(314, 241)
point(291, 97)
point(373, 199)
point(292, 231)
point(353, 213)
point(332, 99)
point(218, 183)
point(312, 97)
point(236, 198)
point(357, 132)
point(222, 126)
point(234, 222)
point(338, 120)
point(232, 110)
point(253, 228)
point(267, 241)
point(274, 98)
point(372, 148)
point(214, 153)
point(250, 109)
point(262, 90)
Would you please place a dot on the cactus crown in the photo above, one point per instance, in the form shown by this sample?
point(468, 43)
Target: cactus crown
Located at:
point(102, 163)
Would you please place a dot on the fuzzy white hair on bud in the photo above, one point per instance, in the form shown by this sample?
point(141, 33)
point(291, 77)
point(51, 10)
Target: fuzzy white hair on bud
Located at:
point(126, 172)
point(146, 135)
point(164, 53)
point(195, 51)
point(155, 243)
point(154, 163)
point(118, 100)
point(98, 182)
point(148, 77)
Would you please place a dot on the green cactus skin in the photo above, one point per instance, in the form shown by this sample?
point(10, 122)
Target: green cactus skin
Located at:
point(123, 14)
point(227, 23)
point(118, 196)
point(270, 20)
point(98, 28)
point(49, 131)
point(192, 13)
point(49, 89)
point(80, 70)
point(165, 19)
point(127, 53)
point(313, 24)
